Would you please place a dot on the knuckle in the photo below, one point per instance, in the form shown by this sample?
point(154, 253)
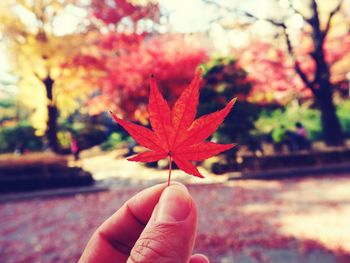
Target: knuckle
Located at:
point(145, 251)
point(153, 246)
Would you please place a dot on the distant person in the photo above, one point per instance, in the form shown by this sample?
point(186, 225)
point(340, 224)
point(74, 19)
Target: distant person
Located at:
point(300, 130)
point(131, 146)
point(301, 136)
point(20, 149)
point(74, 148)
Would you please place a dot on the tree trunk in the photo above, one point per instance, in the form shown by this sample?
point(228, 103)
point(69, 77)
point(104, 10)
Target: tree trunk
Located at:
point(321, 85)
point(323, 91)
point(51, 129)
point(332, 131)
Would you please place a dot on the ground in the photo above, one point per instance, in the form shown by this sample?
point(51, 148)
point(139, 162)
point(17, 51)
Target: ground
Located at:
point(294, 220)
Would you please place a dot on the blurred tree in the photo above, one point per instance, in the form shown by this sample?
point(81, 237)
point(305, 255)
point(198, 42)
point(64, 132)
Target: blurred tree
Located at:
point(124, 87)
point(273, 74)
point(315, 30)
point(224, 79)
point(274, 78)
point(129, 50)
point(38, 50)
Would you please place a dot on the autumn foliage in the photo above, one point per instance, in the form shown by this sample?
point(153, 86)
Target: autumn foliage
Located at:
point(272, 71)
point(115, 11)
point(128, 61)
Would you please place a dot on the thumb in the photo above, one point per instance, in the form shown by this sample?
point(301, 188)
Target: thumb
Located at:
point(170, 233)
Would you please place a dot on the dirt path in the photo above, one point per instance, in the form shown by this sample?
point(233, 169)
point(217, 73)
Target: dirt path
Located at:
point(247, 221)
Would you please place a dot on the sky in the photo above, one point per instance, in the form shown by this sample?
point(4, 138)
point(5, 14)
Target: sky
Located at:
point(64, 24)
point(184, 16)
point(195, 15)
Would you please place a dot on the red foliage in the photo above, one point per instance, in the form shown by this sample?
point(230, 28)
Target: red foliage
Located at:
point(272, 69)
point(273, 76)
point(114, 11)
point(127, 50)
point(176, 134)
point(129, 60)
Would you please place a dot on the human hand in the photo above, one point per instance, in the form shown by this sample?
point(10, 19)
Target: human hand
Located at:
point(156, 225)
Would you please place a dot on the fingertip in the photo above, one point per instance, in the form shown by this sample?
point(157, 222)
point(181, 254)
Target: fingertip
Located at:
point(184, 189)
point(179, 185)
point(199, 258)
point(173, 219)
point(175, 204)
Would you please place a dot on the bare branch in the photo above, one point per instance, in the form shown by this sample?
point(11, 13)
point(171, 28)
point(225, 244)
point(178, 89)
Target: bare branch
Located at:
point(315, 25)
point(283, 26)
point(246, 13)
point(37, 75)
point(331, 15)
point(297, 67)
point(292, 6)
point(270, 20)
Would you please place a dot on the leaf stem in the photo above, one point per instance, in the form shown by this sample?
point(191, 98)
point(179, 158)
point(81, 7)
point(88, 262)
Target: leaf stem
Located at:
point(170, 167)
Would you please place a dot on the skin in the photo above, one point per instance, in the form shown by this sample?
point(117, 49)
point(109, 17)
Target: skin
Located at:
point(158, 224)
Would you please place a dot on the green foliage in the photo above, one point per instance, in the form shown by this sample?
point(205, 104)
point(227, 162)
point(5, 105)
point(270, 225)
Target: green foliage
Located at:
point(343, 112)
point(112, 141)
point(271, 120)
point(23, 135)
point(7, 110)
point(64, 139)
point(91, 135)
point(19, 135)
point(7, 103)
point(87, 134)
point(224, 80)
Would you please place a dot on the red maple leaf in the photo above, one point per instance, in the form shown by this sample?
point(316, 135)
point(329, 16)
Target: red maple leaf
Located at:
point(176, 134)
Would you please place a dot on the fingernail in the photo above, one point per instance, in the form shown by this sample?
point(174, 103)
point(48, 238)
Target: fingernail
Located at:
point(174, 204)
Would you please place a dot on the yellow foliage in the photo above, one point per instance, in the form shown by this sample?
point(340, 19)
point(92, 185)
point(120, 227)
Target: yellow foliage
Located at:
point(36, 53)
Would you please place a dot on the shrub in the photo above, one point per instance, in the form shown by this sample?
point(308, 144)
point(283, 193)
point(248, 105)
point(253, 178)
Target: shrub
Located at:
point(112, 142)
point(91, 135)
point(224, 80)
point(21, 135)
point(288, 116)
point(87, 134)
point(343, 112)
